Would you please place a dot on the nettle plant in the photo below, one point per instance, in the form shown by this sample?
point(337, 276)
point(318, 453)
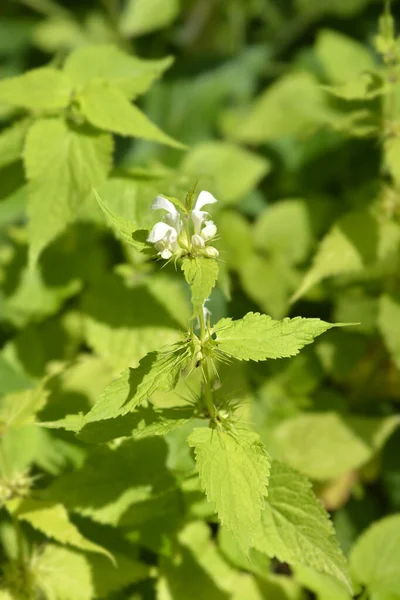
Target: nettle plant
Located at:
point(264, 505)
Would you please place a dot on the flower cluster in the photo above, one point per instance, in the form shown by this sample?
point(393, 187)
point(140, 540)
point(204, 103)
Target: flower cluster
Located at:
point(172, 238)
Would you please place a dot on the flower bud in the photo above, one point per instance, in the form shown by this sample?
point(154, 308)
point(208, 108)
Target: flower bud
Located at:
point(211, 252)
point(197, 242)
point(183, 241)
point(209, 230)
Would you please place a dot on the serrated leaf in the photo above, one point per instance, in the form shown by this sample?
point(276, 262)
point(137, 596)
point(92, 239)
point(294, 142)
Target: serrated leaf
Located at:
point(234, 471)
point(19, 409)
point(144, 16)
point(131, 75)
point(389, 324)
point(296, 529)
point(258, 337)
point(201, 274)
point(62, 164)
point(142, 422)
point(325, 445)
point(12, 142)
point(157, 371)
point(53, 521)
point(39, 89)
point(375, 558)
point(323, 586)
point(105, 107)
point(233, 171)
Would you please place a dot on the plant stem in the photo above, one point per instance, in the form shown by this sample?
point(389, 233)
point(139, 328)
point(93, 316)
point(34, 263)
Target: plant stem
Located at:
point(206, 373)
point(15, 522)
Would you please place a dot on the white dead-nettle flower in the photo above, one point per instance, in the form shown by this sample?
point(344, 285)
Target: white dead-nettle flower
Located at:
point(168, 236)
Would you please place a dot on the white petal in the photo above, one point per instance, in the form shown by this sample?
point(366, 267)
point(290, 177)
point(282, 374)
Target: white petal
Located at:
point(203, 199)
point(209, 230)
point(166, 253)
point(161, 202)
point(159, 232)
point(198, 216)
point(197, 241)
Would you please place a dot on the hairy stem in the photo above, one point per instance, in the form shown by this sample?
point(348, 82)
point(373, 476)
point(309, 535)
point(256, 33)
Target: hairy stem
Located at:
point(206, 373)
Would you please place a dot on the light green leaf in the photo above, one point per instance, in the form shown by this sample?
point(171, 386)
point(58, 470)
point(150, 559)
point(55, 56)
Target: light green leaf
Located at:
point(53, 571)
point(39, 89)
point(295, 527)
point(291, 106)
point(233, 472)
point(108, 577)
point(12, 142)
point(269, 281)
point(122, 323)
point(130, 484)
point(375, 559)
point(157, 371)
point(285, 228)
point(325, 445)
point(342, 58)
point(62, 164)
point(201, 571)
point(348, 247)
point(12, 380)
point(325, 587)
point(105, 107)
point(144, 16)
point(103, 62)
point(52, 520)
point(19, 409)
point(258, 337)
point(231, 170)
point(201, 274)
point(389, 324)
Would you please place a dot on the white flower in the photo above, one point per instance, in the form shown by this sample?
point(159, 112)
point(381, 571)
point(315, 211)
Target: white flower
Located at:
point(198, 215)
point(172, 217)
point(170, 238)
point(165, 239)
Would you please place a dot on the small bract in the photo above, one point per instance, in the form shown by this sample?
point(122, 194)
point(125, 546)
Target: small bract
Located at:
point(171, 237)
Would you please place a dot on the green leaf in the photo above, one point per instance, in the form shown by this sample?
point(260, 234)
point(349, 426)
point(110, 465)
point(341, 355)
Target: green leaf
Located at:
point(295, 527)
point(62, 164)
point(342, 58)
point(324, 586)
point(126, 486)
point(108, 577)
point(12, 142)
point(11, 380)
point(201, 571)
point(392, 157)
point(122, 323)
point(233, 472)
point(232, 171)
point(19, 409)
point(325, 445)
point(201, 274)
point(53, 521)
point(39, 89)
point(103, 62)
point(291, 106)
point(157, 371)
point(144, 16)
point(105, 107)
point(375, 558)
point(53, 569)
point(285, 229)
point(350, 246)
point(389, 324)
point(258, 337)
